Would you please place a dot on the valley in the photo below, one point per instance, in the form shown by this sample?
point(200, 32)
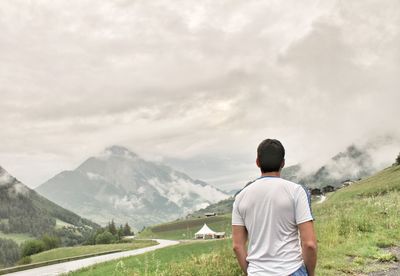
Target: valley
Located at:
point(357, 228)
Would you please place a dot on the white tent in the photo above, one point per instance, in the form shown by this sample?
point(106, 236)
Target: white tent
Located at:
point(206, 232)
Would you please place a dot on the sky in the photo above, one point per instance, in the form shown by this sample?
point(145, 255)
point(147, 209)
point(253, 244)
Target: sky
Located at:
point(196, 84)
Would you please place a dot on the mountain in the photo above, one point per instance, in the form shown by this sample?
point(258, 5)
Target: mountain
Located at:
point(120, 185)
point(352, 164)
point(23, 210)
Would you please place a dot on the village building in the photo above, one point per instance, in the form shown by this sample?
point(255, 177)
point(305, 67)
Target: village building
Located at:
point(206, 233)
point(210, 214)
point(347, 182)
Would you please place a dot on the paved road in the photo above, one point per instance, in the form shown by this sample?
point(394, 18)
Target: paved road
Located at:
point(58, 269)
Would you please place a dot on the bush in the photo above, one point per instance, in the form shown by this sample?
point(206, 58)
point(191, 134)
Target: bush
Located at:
point(51, 242)
point(32, 247)
point(105, 238)
point(25, 260)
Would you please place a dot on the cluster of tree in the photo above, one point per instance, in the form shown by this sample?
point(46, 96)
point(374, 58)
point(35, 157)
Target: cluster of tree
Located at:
point(71, 236)
point(26, 211)
point(9, 252)
point(20, 215)
point(110, 234)
point(47, 242)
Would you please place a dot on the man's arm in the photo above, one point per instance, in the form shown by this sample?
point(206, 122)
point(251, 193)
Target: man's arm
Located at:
point(308, 246)
point(239, 239)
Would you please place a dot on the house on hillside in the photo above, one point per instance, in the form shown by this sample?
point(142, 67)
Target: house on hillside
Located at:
point(316, 192)
point(210, 214)
point(347, 182)
point(206, 233)
point(328, 189)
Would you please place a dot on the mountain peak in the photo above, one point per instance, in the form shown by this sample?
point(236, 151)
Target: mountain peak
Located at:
point(121, 151)
point(5, 177)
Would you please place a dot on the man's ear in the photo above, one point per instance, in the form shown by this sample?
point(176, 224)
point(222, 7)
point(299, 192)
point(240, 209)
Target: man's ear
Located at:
point(283, 164)
point(257, 162)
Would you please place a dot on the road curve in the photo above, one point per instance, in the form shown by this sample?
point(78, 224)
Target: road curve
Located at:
point(58, 269)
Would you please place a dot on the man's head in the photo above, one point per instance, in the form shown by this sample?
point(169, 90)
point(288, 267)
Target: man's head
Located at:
point(270, 156)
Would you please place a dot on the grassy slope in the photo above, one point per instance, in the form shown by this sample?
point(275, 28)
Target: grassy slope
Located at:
point(166, 261)
point(185, 229)
point(353, 225)
point(356, 222)
point(66, 252)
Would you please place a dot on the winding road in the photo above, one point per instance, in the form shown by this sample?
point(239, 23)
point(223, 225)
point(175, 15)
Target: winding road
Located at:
point(58, 269)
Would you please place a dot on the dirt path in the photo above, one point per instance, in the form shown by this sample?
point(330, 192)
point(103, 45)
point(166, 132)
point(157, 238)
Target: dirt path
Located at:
point(322, 199)
point(393, 270)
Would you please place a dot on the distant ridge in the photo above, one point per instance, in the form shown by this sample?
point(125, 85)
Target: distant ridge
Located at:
point(351, 164)
point(22, 210)
point(119, 185)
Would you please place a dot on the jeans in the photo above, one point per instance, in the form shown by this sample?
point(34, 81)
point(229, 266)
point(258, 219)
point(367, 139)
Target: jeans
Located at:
point(302, 271)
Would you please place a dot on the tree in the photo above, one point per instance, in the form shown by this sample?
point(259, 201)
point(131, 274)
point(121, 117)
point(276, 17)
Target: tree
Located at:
point(105, 238)
point(127, 230)
point(32, 247)
point(112, 228)
point(51, 242)
point(120, 232)
point(398, 159)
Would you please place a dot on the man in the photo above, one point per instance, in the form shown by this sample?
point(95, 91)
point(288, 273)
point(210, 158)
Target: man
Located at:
point(270, 213)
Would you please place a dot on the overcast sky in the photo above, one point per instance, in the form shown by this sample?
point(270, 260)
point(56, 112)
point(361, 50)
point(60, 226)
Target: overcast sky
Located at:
point(196, 84)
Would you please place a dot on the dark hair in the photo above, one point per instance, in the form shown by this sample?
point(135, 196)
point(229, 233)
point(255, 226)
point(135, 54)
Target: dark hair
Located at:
point(270, 154)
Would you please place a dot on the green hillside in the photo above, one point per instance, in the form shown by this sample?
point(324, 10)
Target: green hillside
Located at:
point(186, 228)
point(357, 224)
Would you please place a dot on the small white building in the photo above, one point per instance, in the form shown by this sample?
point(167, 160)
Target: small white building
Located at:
point(206, 233)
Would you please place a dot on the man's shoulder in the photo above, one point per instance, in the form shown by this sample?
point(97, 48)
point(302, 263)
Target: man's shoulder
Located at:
point(292, 184)
point(245, 186)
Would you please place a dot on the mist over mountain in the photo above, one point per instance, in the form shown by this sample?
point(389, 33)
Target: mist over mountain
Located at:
point(23, 210)
point(352, 164)
point(120, 185)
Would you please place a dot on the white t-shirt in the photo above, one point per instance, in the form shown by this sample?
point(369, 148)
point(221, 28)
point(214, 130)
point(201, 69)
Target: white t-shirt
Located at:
point(271, 208)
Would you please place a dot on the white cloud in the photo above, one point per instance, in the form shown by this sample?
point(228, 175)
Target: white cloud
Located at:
point(191, 80)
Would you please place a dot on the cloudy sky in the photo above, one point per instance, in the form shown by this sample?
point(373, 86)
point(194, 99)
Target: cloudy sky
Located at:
point(196, 84)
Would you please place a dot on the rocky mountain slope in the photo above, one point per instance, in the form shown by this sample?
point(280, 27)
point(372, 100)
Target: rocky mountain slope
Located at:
point(120, 185)
point(351, 164)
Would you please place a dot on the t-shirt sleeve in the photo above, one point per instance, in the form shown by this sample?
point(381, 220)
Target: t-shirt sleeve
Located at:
point(302, 206)
point(236, 217)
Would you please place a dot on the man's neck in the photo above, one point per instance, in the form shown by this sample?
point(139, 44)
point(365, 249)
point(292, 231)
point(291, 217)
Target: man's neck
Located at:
point(275, 174)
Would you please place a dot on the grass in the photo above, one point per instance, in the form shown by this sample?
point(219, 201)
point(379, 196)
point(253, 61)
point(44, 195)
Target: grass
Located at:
point(190, 258)
point(185, 229)
point(18, 238)
point(356, 223)
point(67, 252)
point(354, 226)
